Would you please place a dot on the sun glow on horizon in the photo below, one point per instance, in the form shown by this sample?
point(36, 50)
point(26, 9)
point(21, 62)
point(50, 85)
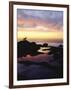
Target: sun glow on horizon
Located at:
point(40, 25)
point(39, 35)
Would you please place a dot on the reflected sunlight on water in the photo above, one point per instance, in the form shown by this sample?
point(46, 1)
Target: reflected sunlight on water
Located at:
point(44, 49)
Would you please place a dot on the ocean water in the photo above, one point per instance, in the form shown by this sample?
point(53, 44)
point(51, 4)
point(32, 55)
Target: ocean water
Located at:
point(51, 43)
point(33, 71)
point(37, 69)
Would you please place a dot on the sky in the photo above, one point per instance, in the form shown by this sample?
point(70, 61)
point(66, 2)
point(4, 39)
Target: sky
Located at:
point(40, 25)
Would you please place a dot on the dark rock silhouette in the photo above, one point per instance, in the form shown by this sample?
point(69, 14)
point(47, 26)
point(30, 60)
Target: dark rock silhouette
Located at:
point(29, 70)
point(25, 47)
point(54, 50)
point(45, 45)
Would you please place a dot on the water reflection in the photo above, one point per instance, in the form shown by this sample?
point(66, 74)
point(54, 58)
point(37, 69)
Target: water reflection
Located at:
point(44, 50)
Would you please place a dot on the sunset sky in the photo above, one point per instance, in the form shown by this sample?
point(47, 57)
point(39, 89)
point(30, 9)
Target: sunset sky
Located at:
point(40, 25)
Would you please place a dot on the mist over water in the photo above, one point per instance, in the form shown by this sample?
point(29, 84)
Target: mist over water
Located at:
point(51, 43)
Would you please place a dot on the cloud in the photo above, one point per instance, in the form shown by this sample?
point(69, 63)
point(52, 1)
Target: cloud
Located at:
point(32, 18)
point(37, 28)
point(47, 15)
